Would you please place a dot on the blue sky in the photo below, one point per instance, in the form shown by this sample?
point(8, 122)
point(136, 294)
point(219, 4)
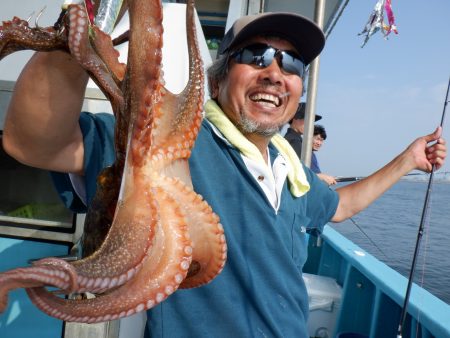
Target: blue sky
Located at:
point(377, 99)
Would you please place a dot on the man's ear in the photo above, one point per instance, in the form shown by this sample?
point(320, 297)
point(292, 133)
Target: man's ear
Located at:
point(214, 91)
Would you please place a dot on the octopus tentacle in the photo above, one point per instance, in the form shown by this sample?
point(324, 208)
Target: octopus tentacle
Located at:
point(173, 138)
point(17, 35)
point(50, 271)
point(104, 254)
point(103, 46)
point(165, 268)
point(115, 262)
point(178, 119)
point(100, 213)
point(70, 33)
point(144, 81)
point(105, 75)
point(205, 231)
point(101, 270)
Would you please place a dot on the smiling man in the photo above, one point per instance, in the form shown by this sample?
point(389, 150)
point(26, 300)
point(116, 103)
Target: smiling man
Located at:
point(251, 177)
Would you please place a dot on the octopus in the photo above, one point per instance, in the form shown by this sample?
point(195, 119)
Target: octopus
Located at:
point(147, 232)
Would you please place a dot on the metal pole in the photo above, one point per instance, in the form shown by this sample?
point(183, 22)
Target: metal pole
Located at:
point(310, 113)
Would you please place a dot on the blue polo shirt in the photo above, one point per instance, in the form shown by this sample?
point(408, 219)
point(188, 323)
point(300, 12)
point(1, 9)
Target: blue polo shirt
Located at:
point(260, 292)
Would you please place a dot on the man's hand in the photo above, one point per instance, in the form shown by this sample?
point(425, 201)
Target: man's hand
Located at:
point(427, 151)
point(330, 180)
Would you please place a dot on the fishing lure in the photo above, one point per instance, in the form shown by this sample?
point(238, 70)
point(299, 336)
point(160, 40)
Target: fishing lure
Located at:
point(90, 10)
point(391, 27)
point(377, 23)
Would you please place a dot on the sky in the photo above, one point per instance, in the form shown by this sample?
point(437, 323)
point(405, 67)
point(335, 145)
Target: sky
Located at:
point(377, 99)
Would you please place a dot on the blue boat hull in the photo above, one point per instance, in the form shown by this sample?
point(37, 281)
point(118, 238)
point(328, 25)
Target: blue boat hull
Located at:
point(22, 318)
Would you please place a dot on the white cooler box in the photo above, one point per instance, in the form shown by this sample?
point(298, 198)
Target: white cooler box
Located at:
point(324, 304)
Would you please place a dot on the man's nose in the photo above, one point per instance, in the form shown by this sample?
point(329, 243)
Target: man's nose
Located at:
point(273, 72)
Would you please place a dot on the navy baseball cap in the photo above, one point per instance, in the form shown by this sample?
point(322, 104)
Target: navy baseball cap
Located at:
point(300, 113)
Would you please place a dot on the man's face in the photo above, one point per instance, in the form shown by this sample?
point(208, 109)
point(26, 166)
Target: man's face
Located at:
point(317, 142)
point(260, 100)
point(298, 125)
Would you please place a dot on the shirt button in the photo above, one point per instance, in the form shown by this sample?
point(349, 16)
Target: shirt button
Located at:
point(260, 178)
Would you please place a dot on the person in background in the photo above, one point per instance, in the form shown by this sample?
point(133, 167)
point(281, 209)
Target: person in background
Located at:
point(294, 134)
point(243, 168)
point(319, 136)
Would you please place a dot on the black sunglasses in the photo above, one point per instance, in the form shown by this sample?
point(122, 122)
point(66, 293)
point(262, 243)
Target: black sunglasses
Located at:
point(262, 55)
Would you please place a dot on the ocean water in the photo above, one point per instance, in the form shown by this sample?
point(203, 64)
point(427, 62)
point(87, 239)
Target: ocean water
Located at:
point(391, 225)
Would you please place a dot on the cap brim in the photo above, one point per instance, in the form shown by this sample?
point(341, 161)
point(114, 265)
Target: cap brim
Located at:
point(307, 38)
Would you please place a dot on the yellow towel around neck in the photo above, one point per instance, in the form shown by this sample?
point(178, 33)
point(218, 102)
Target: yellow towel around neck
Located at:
point(299, 185)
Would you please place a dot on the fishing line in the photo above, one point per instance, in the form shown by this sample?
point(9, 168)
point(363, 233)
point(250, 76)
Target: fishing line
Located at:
point(420, 231)
point(367, 236)
point(424, 264)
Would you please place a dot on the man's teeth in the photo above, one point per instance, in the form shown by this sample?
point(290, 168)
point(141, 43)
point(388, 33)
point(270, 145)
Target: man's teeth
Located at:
point(267, 98)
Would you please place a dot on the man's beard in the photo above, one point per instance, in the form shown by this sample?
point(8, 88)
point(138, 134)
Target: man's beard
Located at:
point(248, 126)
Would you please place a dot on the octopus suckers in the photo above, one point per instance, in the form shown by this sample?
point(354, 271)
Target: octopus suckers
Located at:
point(98, 282)
point(122, 279)
point(169, 289)
point(90, 283)
point(130, 273)
point(105, 283)
point(81, 23)
point(160, 297)
point(140, 307)
point(185, 265)
point(114, 282)
point(179, 278)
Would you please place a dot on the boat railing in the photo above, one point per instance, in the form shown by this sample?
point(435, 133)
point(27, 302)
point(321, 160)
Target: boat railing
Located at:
point(373, 293)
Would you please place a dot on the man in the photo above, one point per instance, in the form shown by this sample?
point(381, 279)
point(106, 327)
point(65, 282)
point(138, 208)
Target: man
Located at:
point(246, 174)
point(294, 134)
point(319, 136)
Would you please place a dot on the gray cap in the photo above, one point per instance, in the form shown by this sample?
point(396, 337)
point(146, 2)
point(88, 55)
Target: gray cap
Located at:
point(307, 38)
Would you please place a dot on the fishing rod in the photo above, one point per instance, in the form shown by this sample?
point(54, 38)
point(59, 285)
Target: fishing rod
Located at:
point(340, 179)
point(420, 232)
point(349, 179)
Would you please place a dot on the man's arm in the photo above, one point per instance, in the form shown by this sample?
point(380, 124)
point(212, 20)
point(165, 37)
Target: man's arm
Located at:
point(41, 126)
point(419, 155)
